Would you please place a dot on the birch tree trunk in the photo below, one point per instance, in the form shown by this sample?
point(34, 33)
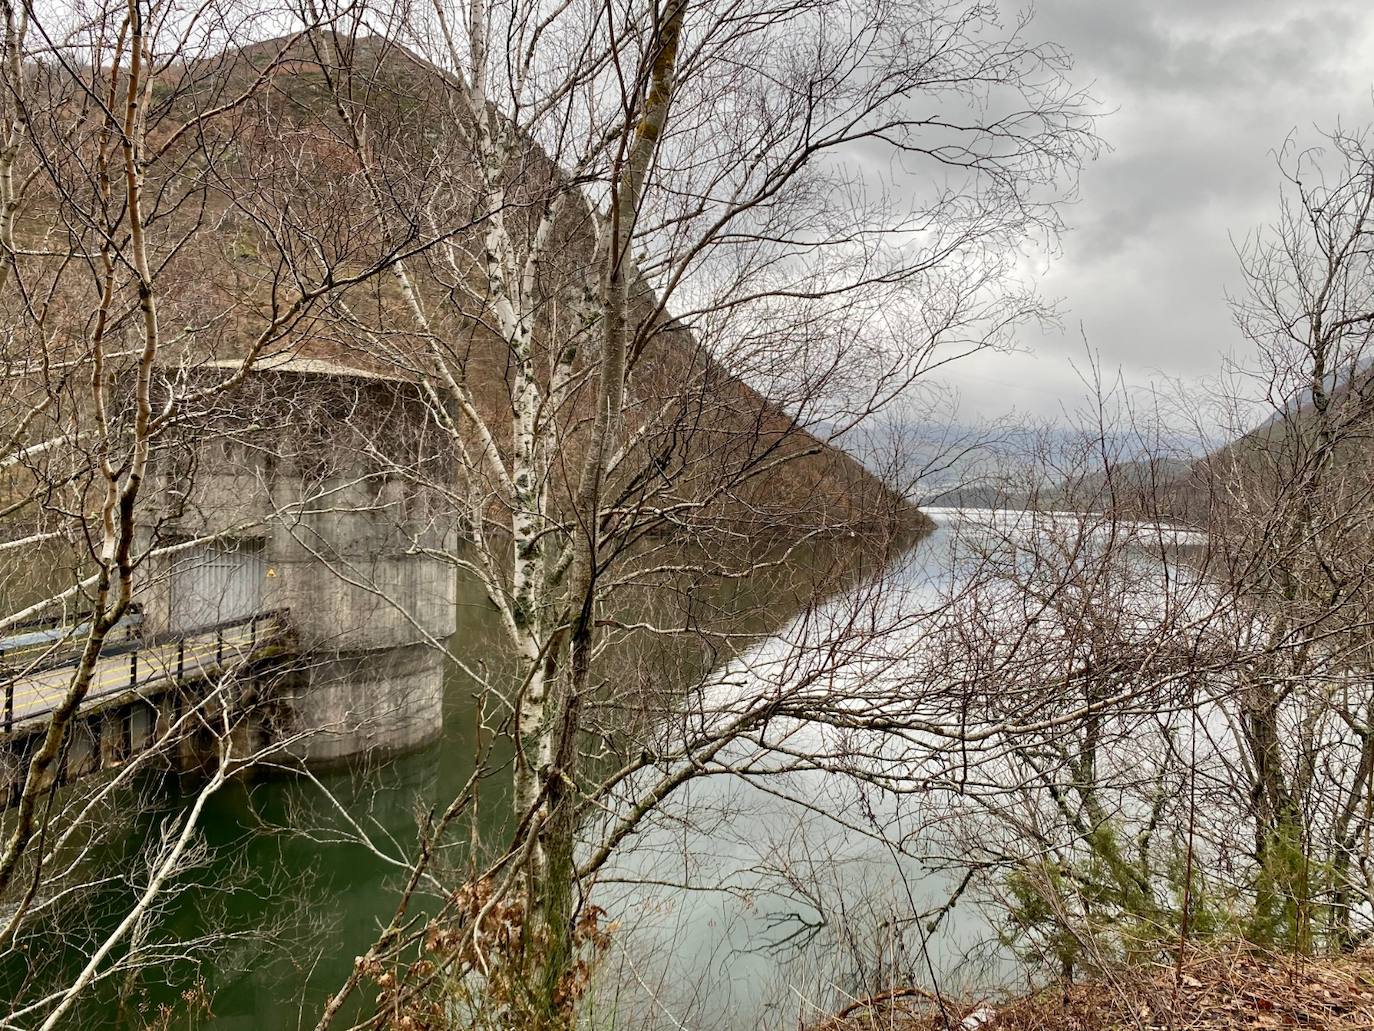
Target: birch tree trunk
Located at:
point(657, 314)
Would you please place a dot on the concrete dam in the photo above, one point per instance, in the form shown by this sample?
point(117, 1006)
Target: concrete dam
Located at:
point(294, 564)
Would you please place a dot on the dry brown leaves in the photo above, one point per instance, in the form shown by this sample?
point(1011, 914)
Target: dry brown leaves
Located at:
point(1212, 988)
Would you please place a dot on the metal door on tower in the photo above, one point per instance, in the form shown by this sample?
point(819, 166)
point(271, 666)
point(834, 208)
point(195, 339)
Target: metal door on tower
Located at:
point(216, 583)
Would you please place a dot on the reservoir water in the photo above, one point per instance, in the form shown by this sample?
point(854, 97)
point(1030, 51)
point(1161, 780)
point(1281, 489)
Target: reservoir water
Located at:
point(753, 901)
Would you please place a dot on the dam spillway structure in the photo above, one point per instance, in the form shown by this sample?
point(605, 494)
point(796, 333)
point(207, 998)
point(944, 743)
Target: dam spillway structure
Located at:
point(314, 490)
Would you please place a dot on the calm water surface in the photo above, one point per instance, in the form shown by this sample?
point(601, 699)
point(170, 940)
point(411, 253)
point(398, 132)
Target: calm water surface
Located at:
point(282, 868)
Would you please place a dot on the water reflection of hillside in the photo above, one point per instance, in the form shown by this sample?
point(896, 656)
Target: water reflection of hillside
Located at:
point(286, 896)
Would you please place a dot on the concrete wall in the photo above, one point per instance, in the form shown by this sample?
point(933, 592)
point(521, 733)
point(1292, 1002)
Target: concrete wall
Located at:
point(346, 705)
point(338, 532)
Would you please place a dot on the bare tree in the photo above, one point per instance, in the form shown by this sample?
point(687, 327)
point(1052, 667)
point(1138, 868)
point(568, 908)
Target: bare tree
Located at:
point(639, 264)
point(1297, 541)
point(682, 279)
point(143, 157)
point(1199, 762)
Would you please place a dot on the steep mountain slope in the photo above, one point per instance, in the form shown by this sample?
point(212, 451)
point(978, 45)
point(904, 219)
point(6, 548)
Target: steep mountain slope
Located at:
point(1320, 437)
point(716, 446)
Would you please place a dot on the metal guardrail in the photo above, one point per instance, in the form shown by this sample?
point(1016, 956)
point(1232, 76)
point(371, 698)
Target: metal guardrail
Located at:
point(170, 657)
point(61, 638)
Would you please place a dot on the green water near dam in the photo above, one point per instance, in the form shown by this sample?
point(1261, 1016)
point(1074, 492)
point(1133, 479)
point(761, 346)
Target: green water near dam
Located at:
point(270, 923)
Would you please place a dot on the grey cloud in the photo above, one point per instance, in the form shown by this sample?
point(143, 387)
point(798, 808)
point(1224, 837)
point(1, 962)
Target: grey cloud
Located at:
point(1154, 48)
point(1201, 95)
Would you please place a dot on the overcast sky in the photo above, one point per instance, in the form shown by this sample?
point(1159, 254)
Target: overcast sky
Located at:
point(1200, 94)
